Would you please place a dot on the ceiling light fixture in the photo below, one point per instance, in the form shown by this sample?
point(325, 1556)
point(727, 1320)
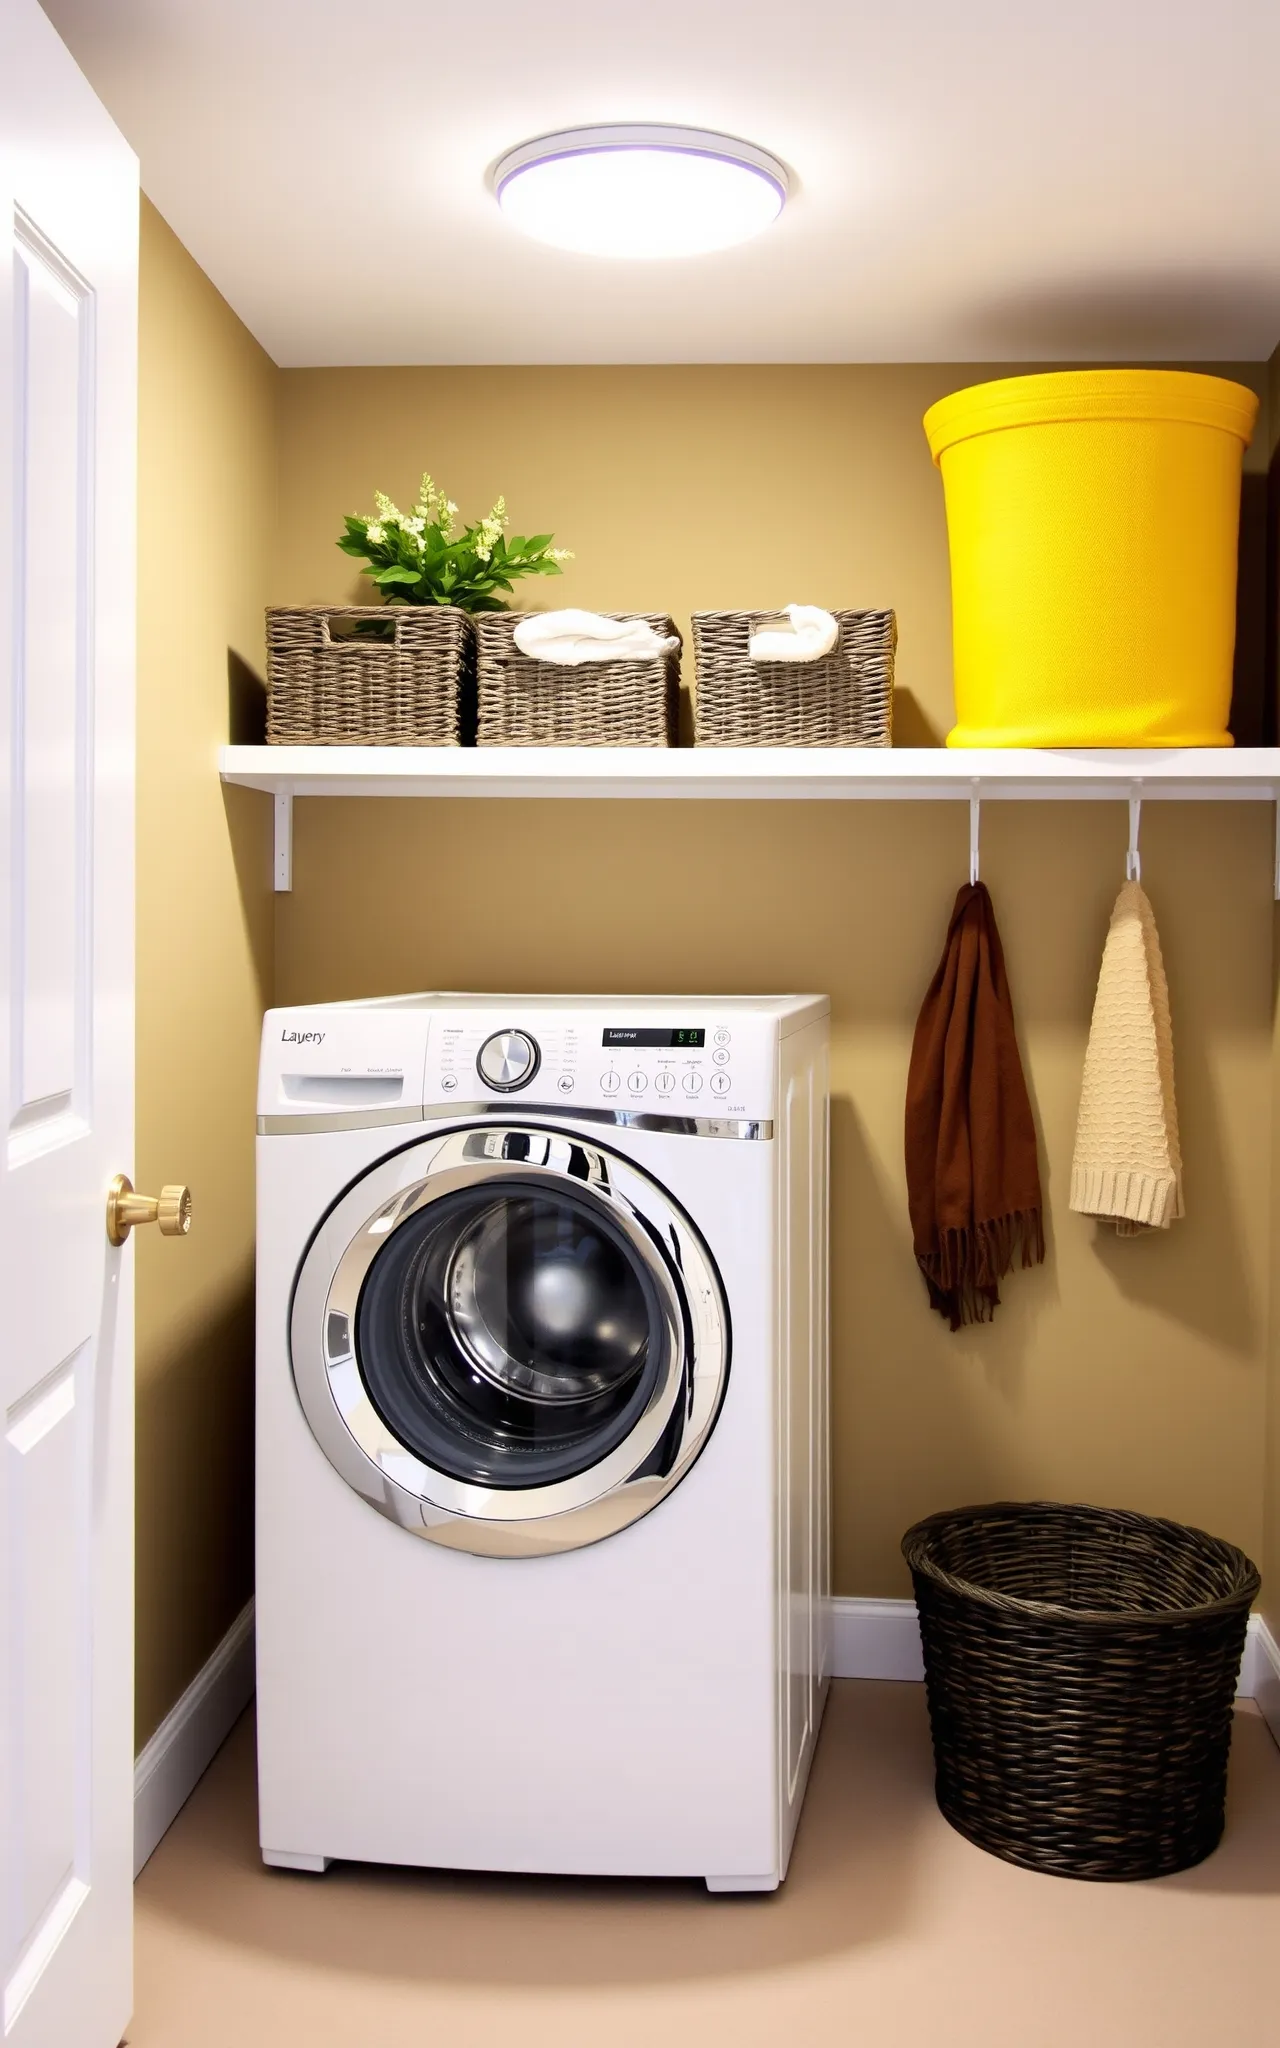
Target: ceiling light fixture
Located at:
point(640, 191)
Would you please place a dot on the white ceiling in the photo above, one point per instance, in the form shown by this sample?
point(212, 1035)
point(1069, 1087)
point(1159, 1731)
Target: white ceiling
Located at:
point(997, 180)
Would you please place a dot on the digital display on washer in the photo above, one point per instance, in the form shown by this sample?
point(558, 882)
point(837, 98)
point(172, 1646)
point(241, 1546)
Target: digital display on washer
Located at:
point(646, 1035)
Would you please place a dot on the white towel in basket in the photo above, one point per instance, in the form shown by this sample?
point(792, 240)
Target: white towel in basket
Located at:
point(571, 637)
point(809, 634)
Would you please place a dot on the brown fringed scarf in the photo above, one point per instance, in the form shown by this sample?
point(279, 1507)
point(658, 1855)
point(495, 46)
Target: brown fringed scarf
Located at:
point(973, 1182)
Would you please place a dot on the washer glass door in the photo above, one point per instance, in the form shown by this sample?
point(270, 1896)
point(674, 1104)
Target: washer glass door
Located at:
point(510, 1334)
point(509, 1340)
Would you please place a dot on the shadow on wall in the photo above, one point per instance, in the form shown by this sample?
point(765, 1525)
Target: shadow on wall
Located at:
point(195, 1494)
point(1211, 1292)
point(912, 726)
point(887, 1388)
point(1173, 316)
point(1271, 605)
point(246, 703)
point(1252, 711)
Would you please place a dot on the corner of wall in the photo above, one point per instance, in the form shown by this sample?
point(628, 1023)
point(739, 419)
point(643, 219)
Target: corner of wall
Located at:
point(208, 501)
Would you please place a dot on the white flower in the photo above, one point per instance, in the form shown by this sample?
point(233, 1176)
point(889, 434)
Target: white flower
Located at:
point(386, 510)
point(488, 533)
point(559, 554)
point(433, 508)
point(375, 534)
point(415, 526)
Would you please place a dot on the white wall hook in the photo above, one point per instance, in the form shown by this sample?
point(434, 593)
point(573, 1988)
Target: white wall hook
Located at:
point(1133, 859)
point(975, 827)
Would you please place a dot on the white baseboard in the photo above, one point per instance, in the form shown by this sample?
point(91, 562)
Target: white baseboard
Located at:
point(875, 1639)
point(190, 1736)
point(881, 1639)
point(1262, 1660)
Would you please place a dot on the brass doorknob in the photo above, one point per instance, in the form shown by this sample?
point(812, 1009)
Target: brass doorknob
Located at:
point(171, 1209)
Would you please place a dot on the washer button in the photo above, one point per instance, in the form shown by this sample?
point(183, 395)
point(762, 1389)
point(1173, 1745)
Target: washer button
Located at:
point(609, 1082)
point(722, 1036)
point(565, 1084)
point(637, 1083)
point(721, 1057)
point(721, 1083)
point(448, 1082)
point(692, 1083)
point(665, 1082)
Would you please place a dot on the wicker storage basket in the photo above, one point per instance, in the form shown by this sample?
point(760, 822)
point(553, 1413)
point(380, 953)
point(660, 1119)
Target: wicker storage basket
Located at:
point(1081, 1666)
point(843, 700)
point(326, 690)
point(525, 703)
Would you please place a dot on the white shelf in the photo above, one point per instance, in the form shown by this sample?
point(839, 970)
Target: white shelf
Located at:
point(1192, 774)
point(1249, 773)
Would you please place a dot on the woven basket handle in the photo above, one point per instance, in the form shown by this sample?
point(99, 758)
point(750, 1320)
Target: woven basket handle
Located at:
point(345, 640)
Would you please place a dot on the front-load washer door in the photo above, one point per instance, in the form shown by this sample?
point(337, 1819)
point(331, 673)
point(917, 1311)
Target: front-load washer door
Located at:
point(509, 1340)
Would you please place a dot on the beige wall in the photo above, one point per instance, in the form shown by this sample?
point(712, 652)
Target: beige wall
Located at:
point(207, 501)
point(1131, 1373)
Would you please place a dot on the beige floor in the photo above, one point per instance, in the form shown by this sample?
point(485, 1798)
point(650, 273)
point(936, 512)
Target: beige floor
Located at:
point(891, 1932)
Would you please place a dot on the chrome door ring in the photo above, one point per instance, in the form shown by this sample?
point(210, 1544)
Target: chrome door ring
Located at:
point(494, 1521)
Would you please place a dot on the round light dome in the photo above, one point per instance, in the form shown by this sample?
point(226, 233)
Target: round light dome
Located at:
point(640, 191)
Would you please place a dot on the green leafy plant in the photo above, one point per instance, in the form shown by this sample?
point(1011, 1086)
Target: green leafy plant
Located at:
point(419, 557)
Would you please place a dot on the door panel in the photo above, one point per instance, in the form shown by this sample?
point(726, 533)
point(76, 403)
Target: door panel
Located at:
point(52, 486)
point(68, 350)
point(46, 1449)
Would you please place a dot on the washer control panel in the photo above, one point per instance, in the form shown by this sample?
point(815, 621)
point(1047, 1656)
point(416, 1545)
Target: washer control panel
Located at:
point(700, 1064)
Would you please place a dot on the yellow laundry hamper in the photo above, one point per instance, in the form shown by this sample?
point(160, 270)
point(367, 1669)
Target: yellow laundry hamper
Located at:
point(1093, 517)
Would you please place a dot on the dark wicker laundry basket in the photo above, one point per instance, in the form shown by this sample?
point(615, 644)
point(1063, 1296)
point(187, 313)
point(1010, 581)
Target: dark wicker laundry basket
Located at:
point(845, 699)
point(1081, 1666)
point(528, 703)
point(411, 688)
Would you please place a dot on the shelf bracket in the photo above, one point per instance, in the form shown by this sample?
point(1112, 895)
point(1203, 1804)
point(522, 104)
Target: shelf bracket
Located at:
point(283, 851)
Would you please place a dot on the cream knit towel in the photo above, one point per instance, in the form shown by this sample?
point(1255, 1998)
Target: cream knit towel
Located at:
point(1128, 1165)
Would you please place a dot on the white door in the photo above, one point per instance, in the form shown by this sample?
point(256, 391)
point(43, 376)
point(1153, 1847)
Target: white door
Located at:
point(68, 346)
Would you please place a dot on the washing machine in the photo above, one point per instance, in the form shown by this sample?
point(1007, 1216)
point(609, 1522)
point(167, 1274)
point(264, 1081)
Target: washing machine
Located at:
point(542, 1439)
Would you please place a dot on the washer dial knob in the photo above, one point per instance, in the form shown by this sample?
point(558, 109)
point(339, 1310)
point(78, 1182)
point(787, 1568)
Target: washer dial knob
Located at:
point(508, 1060)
